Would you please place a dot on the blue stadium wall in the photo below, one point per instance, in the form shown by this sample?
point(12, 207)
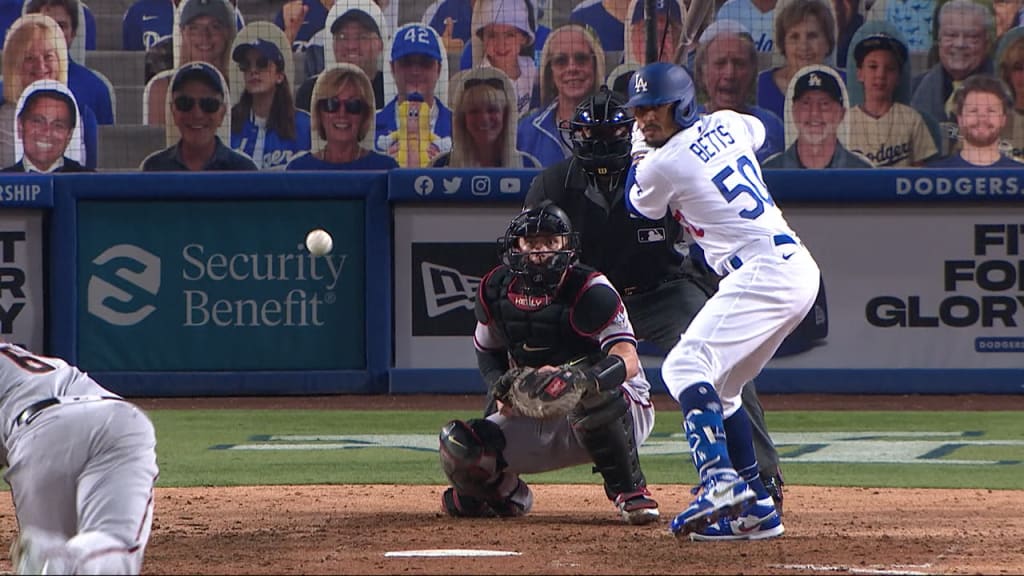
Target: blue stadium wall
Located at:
point(199, 284)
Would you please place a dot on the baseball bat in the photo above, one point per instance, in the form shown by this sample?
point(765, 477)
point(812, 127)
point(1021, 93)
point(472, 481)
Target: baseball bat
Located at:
point(651, 28)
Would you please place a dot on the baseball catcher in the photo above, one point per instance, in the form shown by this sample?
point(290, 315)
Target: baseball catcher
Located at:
point(556, 349)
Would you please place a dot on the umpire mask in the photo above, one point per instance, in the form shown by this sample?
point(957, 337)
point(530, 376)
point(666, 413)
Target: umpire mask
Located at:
point(600, 133)
point(538, 247)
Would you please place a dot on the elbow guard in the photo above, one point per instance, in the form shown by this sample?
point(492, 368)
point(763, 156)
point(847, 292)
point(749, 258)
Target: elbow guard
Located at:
point(609, 373)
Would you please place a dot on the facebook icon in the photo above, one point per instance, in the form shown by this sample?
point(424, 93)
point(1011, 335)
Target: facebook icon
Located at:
point(423, 185)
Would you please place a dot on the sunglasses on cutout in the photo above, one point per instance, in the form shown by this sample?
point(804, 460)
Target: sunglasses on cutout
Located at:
point(206, 104)
point(333, 104)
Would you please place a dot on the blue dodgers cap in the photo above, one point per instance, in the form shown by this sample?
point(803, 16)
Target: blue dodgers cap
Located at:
point(200, 71)
point(670, 8)
point(818, 80)
point(415, 39)
point(266, 48)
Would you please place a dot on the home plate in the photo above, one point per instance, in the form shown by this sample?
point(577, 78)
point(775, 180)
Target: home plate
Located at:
point(443, 553)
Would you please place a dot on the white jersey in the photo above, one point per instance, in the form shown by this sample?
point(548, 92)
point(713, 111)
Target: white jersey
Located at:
point(26, 378)
point(709, 178)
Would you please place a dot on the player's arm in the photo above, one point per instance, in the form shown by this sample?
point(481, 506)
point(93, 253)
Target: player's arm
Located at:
point(754, 128)
point(600, 314)
point(488, 342)
point(627, 352)
point(490, 347)
point(699, 15)
point(646, 195)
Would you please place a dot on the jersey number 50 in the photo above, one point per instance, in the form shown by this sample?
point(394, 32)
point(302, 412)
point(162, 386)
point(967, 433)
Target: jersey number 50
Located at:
point(753, 187)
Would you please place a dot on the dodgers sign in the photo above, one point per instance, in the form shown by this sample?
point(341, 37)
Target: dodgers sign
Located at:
point(169, 286)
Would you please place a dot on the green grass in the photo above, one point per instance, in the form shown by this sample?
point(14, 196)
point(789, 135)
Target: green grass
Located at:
point(186, 439)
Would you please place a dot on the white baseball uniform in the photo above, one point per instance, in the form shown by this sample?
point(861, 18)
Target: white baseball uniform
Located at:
point(81, 466)
point(709, 178)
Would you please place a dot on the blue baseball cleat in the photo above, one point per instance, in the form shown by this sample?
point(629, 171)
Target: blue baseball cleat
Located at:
point(724, 495)
point(761, 521)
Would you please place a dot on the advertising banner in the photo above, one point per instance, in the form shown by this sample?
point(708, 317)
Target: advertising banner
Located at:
point(220, 286)
point(445, 251)
point(934, 287)
point(930, 288)
point(21, 278)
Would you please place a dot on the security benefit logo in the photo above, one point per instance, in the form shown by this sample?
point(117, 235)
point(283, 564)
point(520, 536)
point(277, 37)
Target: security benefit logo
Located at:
point(127, 295)
point(985, 290)
point(126, 282)
point(445, 280)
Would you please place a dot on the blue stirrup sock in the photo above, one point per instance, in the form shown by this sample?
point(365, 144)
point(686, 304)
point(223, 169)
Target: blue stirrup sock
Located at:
point(705, 431)
point(740, 440)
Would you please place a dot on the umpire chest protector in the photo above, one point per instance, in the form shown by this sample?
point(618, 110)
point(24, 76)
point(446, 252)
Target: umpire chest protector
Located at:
point(635, 254)
point(549, 330)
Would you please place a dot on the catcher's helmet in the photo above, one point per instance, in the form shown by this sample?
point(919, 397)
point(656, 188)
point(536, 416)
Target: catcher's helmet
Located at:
point(600, 131)
point(662, 83)
point(545, 276)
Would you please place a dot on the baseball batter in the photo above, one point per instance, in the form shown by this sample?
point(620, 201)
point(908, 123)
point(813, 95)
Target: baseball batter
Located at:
point(704, 171)
point(541, 309)
point(81, 463)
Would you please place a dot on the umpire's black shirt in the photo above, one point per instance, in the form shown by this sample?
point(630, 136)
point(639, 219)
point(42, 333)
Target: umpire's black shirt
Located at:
point(636, 254)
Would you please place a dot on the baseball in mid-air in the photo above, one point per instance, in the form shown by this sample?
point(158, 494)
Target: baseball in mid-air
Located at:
point(319, 242)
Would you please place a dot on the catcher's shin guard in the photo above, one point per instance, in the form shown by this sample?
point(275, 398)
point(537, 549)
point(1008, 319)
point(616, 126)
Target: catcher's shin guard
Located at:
point(471, 456)
point(604, 426)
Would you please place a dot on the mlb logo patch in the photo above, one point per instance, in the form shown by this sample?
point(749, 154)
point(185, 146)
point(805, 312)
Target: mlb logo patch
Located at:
point(650, 235)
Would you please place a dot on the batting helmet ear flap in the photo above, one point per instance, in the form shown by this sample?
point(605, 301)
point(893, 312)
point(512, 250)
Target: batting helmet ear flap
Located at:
point(686, 114)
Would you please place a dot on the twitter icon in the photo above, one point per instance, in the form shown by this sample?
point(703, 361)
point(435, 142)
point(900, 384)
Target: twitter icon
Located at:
point(451, 186)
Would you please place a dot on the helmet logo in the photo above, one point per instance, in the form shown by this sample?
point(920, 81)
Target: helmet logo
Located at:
point(639, 84)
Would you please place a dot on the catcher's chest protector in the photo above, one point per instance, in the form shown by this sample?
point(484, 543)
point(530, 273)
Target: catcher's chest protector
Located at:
point(538, 335)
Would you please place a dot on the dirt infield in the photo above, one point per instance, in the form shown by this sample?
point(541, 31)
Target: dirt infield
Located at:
point(573, 529)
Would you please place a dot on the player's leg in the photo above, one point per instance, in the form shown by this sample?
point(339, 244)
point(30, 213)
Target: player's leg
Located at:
point(767, 455)
point(716, 356)
point(115, 491)
point(662, 315)
point(103, 489)
point(606, 426)
point(44, 461)
point(473, 460)
point(761, 520)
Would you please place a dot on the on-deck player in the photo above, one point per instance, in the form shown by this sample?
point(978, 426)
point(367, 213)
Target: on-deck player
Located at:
point(81, 463)
point(704, 170)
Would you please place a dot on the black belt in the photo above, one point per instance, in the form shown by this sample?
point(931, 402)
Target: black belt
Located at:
point(28, 414)
point(35, 408)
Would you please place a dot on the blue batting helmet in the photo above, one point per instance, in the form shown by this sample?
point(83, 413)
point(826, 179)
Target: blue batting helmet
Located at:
point(663, 83)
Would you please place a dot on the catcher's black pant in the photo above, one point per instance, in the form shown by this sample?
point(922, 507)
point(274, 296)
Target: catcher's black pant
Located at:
point(660, 315)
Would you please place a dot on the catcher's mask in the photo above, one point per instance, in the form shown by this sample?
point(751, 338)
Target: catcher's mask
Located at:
point(541, 270)
point(600, 134)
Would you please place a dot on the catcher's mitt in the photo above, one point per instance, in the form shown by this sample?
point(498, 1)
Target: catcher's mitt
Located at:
point(548, 394)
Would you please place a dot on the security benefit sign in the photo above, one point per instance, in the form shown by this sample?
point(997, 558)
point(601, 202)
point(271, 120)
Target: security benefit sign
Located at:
point(220, 286)
point(927, 287)
point(449, 274)
point(21, 278)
